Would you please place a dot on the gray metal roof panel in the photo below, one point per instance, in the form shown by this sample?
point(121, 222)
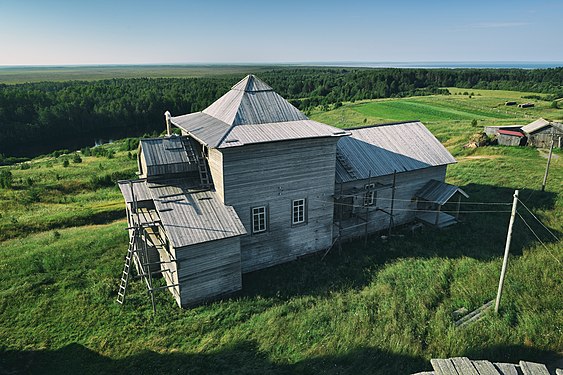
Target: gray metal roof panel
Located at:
point(140, 190)
point(380, 150)
point(190, 216)
point(251, 84)
point(439, 192)
point(535, 125)
point(205, 128)
point(279, 131)
point(230, 121)
point(163, 151)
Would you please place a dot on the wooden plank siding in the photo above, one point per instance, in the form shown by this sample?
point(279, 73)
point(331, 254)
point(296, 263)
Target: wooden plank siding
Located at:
point(215, 162)
point(273, 175)
point(208, 270)
point(407, 184)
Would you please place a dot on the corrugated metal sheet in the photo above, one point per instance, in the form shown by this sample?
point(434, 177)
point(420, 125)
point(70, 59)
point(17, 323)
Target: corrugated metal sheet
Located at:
point(260, 133)
point(251, 84)
point(251, 112)
point(203, 127)
point(140, 190)
point(381, 150)
point(190, 217)
point(511, 132)
point(160, 151)
point(535, 126)
point(439, 192)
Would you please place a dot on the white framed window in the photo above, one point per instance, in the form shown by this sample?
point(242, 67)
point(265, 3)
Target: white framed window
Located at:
point(259, 219)
point(369, 195)
point(298, 211)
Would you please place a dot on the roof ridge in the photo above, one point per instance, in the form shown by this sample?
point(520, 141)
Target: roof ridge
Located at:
point(383, 124)
point(251, 83)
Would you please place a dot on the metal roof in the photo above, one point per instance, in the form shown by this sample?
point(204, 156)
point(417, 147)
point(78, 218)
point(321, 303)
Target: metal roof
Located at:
point(535, 125)
point(140, 190)
point(193, 216)
point(511, 132)
point(439, 192)
point(251, 112)
point(164, 151)
point(380, 150)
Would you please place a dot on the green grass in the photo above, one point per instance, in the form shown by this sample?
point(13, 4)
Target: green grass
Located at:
point(447, 116)
point(383, 309)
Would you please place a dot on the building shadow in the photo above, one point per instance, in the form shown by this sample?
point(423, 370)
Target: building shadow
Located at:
point(242, 358)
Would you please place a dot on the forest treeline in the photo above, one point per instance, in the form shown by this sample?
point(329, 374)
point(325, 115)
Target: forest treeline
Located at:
point(40, 117)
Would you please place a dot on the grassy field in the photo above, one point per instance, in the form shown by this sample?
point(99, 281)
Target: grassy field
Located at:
point(382, 309)
point(447, 116)
point(17, 74)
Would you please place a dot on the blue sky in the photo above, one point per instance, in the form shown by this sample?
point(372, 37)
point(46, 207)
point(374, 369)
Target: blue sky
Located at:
point(213, 31)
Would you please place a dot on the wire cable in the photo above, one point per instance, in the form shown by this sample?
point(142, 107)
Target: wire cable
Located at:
point(538, 220)
point(531, 230)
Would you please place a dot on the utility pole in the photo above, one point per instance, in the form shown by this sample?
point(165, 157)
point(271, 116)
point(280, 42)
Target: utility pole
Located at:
point(506, 250)
point(548, 162)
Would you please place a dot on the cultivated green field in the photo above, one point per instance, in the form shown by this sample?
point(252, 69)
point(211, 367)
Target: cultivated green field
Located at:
point(448, 117)
point(383, 309)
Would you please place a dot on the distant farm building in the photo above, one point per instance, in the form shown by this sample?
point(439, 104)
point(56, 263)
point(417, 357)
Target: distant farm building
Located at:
point(510, 103)
point(526, 105)
point(252, 182)
point(541, 132)
point(538, 133)
point(507, 137)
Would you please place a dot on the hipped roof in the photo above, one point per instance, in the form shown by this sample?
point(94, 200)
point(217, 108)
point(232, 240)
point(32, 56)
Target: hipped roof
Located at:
point(251, 112)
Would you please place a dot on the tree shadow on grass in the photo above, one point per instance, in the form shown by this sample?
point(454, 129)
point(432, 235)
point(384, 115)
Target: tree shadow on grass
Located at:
point(242, 358)
point(480, 235)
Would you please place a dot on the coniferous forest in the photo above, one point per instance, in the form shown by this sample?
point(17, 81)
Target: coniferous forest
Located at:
point(41, 117)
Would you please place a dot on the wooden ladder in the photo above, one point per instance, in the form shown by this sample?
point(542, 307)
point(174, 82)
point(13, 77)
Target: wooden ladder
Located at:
point(203, 171)
point(127, 267)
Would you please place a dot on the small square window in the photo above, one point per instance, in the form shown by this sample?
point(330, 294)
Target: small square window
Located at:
point(298, 214)
point(259, 219)
point(369, 195)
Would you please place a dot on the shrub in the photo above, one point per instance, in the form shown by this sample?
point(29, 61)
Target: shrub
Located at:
point(65, 163)
point(76, 158)
point(554, 104)
point(474, 123)
point(32, 196)
point(6, 179)
point(108, 180)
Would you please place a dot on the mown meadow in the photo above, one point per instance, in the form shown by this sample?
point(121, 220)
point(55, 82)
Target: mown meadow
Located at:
point(381, 309)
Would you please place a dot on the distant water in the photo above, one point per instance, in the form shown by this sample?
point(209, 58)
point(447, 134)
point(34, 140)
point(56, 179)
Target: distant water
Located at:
point(445, 64)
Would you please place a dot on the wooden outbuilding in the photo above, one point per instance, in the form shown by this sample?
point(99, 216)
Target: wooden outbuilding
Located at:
point(507, 137)
point(541, 131)
point(252, 182)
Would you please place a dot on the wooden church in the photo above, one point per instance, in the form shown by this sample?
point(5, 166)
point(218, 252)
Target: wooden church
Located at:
point(252, 182)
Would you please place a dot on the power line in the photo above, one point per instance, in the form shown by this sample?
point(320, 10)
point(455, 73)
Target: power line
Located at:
point(410, 200)
point(408, 209)
point(538, 220)
point(531, 230)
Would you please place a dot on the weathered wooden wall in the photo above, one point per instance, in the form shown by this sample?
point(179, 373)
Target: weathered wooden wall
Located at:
point(542, 138)
point(407, 184)
point(274, 174)
point(508, 140)
point(215, 160)
point(208, 269)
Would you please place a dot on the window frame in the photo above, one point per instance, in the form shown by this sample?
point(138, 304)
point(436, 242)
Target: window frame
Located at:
point(303, 207)
point(265, 219)
point(370, 195)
